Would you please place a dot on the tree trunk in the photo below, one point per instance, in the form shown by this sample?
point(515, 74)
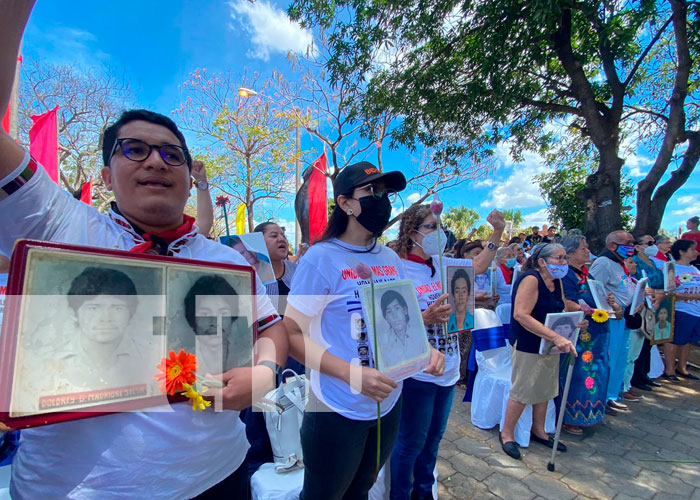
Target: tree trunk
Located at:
point(249, 195)
point(602, 200)
point(650, 209)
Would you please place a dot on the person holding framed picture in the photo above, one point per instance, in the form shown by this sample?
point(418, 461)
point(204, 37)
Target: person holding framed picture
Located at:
point(687, 320)
point(427, 398)
point(147, 166)
point(339, 433)
point(535, 377)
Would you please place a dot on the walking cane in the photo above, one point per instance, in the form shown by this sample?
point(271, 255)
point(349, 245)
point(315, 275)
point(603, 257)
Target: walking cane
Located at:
point(562, 409)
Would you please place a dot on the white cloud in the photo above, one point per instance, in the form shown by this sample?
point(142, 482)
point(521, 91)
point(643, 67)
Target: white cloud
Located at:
point(518, 189)
point(485, 183)
point(634, 164)
point(271, 31)
point(689, 210)
point(685, 200)
point(538, 218)
point(71, 45)
point(413, 197)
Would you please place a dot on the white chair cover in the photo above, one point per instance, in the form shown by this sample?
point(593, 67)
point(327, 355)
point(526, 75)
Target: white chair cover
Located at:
point(5, 482)
point(266, 484)
point(503, 312)
point(492, 385)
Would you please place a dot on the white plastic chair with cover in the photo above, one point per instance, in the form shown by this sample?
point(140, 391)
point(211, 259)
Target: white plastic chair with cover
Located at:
point(492, 384)
point(503, 312)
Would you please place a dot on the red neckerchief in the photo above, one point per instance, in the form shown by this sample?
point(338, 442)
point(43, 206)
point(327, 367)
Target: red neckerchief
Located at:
point(166, 236)
point(661, 256)
point(429, 262)
point(583, 274)
point(507, 273)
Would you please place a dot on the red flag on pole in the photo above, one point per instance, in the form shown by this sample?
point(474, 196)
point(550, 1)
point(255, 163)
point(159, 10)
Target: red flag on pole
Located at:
point(86, 192)
point(311, 205)
point(43, 141)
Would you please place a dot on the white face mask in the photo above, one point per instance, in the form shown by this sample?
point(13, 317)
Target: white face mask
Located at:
point(430, 243)
point(651, 251)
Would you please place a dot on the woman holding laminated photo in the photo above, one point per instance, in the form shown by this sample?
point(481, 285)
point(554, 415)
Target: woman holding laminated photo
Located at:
point(536, 293)
point(428, 397)
point(340, 431)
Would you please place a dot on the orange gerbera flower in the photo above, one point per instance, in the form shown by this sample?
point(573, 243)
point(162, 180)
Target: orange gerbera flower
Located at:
point(177, 369)
point(587, 356)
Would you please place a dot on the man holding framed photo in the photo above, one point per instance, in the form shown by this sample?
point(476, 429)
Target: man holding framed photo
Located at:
point(136, 454)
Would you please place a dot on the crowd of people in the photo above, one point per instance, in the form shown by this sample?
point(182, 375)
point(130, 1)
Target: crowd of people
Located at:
point(309, 319)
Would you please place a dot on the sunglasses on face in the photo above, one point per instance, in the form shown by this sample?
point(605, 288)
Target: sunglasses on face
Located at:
point(137, 150)
point(378, 193)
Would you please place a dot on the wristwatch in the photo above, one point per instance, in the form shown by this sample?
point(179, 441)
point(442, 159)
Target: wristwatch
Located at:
point(276, 369)
point(491, 246)
point(202, 185)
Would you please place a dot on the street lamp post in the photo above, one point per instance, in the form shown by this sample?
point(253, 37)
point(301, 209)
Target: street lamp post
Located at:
point(245, 92)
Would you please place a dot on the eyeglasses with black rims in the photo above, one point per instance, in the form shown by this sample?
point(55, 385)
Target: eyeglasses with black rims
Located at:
point(379, 192)
point(138, 150)
point(558, 258)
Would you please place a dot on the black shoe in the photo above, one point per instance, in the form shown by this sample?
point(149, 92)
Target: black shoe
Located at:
point(653, 383)
point(688, 375)
point(549, 442)
point(643, 387)
point(670, 378)
point(510, 448)
point(611, 411)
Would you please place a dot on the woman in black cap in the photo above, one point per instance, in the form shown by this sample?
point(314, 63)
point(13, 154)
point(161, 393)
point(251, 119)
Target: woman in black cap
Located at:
point(339, 431)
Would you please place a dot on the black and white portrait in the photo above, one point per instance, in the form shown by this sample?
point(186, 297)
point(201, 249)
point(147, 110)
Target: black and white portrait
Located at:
point(90, 332)
point(209, 314)
point(403, 347)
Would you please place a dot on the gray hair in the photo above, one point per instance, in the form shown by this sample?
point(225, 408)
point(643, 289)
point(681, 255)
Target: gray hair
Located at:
point(660, 238)
point(572, 242)
point(541, 251)
point(501, 251)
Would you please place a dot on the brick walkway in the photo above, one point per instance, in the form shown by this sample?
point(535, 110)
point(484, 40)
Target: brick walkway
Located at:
point(611, 463)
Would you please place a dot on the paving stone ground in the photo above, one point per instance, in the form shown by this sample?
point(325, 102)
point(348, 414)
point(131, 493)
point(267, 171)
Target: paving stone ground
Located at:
point(645, 453)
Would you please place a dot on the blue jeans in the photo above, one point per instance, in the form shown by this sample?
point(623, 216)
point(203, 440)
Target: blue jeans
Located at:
point(426, 408)
point(619, 345)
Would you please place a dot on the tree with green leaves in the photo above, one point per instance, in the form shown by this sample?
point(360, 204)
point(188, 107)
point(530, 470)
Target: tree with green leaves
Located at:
point(561, 189)
point(250, 148)
point(465, 76)
point(460, 220)
point(515, 216)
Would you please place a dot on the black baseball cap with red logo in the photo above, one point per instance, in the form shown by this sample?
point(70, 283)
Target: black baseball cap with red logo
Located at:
point(363, 173)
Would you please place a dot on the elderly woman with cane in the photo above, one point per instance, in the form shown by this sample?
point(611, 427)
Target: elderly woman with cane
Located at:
point(536, 293)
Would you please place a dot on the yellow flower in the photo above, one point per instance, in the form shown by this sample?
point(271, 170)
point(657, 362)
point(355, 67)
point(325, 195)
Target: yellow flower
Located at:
point(585, 337)
point(198, 402)
point(599, 316)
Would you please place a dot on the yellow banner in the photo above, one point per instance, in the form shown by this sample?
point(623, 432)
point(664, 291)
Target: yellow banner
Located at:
point(240, 219)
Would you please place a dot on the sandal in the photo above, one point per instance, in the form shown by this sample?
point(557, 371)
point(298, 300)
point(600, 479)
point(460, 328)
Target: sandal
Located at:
point(573, 429)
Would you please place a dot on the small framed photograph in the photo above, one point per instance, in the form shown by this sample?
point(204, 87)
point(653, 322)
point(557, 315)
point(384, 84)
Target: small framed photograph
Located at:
point(254, 250)
point(85, 328)
point(482, 283)
point(460, 286)
point(665, 321)
point(600, 295)
point(669, 276)
point(639, 293)
point(564, 324)
point(401, 336)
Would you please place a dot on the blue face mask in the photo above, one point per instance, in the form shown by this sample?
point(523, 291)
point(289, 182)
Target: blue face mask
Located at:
point(511, 262)
point(558, 271)
point(625, 251)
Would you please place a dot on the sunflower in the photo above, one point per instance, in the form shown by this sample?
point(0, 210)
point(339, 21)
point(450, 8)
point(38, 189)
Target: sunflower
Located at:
point(198, 402)
point(585, 337)
point(685, 278)
point(600, 316)
point(177, 369)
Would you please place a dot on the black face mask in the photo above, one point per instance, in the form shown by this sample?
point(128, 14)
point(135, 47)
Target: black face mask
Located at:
point(375, 214)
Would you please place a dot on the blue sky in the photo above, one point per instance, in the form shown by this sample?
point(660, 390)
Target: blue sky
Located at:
point(156, 45)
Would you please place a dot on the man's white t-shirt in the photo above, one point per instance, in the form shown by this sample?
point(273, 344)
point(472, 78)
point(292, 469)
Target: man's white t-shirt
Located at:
point(325, 288)
point(428, 290)
point(147, 454)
